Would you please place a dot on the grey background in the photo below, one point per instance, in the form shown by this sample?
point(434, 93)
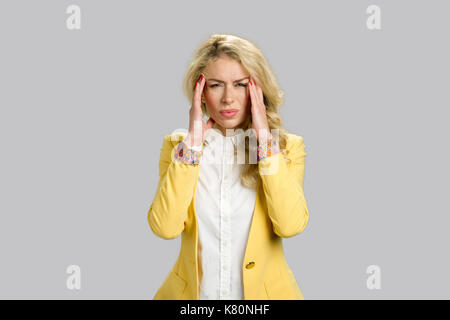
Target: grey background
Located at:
point(83, 115)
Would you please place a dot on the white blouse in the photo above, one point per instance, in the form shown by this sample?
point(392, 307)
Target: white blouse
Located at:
point(224, 208)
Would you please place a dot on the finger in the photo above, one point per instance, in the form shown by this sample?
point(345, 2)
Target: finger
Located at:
point(200, 84)
point(251, 89)
point(256, 99)
point(258, 92)
point(196, 95)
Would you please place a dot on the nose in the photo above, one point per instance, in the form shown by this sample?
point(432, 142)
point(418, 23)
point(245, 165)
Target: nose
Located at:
point(227, 96)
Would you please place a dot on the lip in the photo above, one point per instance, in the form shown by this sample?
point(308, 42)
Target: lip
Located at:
point(229, 113)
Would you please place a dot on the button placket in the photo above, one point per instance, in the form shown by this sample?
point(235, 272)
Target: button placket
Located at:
point(225, 269)
point(222, 224)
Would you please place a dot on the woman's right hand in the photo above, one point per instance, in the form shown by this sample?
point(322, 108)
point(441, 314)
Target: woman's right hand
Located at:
point(196, 134)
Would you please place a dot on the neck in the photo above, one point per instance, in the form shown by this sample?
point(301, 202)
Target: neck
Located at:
point(223, 130)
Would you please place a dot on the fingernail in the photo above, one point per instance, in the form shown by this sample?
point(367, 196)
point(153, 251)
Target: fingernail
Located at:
point(251, 82)
point(201, 77)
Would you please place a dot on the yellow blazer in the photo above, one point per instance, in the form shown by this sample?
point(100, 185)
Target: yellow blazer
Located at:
point(280, 212)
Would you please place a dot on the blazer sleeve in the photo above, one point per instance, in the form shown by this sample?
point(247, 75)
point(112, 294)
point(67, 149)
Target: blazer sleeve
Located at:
point(283, 189)
point(168, 211)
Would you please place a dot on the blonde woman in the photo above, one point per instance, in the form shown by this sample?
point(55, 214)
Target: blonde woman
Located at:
point(232, 214)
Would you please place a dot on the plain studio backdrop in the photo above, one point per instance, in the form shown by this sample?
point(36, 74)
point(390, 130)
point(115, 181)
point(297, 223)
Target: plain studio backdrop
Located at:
point(84, 113)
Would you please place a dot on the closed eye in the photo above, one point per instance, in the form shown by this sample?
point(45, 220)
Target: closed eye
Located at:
point(240, 84)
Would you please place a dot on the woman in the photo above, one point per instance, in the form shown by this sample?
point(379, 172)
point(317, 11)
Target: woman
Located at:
point(232, 216)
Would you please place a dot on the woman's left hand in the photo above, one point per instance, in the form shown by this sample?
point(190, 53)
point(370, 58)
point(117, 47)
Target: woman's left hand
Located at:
point(258, 109)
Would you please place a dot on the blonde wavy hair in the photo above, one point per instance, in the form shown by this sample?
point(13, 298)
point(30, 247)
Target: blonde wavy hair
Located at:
point(251, 57)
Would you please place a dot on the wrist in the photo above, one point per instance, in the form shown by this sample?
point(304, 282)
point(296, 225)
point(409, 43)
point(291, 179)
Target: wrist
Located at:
point(191, 140)
point(267, 146)
point(188, 154)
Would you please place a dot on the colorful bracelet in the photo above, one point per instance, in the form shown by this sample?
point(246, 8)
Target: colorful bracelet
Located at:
point(187, 155)
point(271, 147)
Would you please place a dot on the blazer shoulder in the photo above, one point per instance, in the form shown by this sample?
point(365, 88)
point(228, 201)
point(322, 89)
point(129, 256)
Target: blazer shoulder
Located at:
point(174, 138)
point(169, 143)
point(295, 145)
point(294, 139)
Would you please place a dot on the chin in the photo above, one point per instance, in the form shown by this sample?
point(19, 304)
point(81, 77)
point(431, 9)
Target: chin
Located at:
point(231, 124)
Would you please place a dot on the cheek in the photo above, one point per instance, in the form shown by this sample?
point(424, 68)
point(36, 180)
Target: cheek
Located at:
point(212, 103)
point(211, 96)
point(246, 102)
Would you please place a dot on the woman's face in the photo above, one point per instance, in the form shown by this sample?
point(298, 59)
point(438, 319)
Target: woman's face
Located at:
point(226, 88)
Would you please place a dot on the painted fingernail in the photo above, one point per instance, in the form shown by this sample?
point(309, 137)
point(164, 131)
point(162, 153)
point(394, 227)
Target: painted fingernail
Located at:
point(201, 77)
point(251, 82)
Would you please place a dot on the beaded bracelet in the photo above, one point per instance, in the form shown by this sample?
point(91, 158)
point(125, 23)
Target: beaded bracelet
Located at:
point(271, 147)
point(187, 155)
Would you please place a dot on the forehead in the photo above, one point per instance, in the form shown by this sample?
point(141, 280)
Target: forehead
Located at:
point(225, 69)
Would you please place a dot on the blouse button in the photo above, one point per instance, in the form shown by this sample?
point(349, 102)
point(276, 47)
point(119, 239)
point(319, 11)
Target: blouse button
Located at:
point(250, 265)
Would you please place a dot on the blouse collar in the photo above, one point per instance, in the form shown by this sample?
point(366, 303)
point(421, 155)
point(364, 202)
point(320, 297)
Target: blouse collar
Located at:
point(236, 137)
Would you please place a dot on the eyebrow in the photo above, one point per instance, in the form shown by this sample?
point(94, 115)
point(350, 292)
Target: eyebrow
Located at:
point(224, 81)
